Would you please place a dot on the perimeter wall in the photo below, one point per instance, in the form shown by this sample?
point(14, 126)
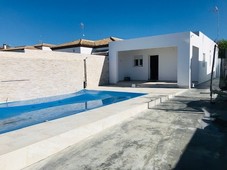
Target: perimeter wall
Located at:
point(35, 74)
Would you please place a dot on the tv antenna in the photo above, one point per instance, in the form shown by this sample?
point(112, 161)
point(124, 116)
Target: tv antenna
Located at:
point(40, 39)
point(216, 11)
point(82, 29)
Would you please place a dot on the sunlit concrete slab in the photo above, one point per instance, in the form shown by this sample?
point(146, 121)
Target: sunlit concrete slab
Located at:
point(148, 84)
point(168, 136)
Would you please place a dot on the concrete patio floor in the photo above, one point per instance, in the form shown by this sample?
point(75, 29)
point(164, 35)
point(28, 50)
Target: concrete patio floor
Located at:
point(147, 84)
point(171, 135)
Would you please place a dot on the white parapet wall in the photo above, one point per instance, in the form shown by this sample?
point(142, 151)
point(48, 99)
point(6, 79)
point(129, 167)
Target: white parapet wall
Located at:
point(36, 74)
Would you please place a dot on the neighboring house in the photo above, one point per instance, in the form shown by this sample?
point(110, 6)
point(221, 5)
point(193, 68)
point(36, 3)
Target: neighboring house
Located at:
point(180, 57)
point(83, 46)
point(43, 46)
point(19, 48)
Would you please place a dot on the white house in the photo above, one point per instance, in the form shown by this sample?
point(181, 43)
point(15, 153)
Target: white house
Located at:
point(180, 57)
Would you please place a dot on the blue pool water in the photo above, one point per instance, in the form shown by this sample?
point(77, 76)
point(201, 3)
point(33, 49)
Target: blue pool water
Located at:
point(16, 115)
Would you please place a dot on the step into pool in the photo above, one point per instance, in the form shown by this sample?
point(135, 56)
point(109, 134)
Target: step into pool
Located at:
point(17, 115)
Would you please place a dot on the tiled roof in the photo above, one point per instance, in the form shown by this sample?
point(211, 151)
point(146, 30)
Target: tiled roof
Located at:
point(77, 43)
point(105, 41)
point(86, 43)
point(21, 48)
point(44, 44)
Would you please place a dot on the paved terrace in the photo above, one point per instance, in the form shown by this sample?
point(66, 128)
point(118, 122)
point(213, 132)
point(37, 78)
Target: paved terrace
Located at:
point(171, 135)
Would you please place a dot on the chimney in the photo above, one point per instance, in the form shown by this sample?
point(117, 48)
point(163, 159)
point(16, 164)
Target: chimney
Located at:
point(5, 46)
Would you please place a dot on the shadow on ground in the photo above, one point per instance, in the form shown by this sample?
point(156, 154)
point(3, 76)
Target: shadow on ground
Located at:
point(207, 149)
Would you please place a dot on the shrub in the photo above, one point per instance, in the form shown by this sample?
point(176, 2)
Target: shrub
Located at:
point(222, 45)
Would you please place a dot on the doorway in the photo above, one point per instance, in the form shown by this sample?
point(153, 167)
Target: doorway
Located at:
point(154, 67)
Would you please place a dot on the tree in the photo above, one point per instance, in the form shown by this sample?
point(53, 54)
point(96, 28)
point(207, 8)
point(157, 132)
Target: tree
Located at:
point(222, 45)
point(222, 54)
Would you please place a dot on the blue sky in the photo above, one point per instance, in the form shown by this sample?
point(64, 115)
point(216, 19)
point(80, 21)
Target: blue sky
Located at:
point(28, 22)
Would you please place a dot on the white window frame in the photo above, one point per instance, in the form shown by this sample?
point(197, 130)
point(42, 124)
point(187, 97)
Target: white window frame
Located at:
point(138, 61)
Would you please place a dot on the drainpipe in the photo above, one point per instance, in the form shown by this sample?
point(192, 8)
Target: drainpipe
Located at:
point(85, 73)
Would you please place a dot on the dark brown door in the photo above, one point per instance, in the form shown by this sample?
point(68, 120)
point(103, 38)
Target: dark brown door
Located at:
point(154, 67)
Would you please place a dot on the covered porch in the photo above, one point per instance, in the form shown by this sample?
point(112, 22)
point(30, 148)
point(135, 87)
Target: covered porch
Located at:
point(154, 64)
point(158, 58)
point(185, 58)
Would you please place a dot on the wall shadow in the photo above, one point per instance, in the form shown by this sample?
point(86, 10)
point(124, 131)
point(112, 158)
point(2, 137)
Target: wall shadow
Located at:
point(104, 77)
point(207, 149)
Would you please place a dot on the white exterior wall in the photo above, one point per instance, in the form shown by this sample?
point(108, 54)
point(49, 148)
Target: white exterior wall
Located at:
point(85, 50)
point(46, 48)
point(81, 50)
point(188, 57)
point(180, 40)
point(127, 69)
point(167, 64)
point(205, 46)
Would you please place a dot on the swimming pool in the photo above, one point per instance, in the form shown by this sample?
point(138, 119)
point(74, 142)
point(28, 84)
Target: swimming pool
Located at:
point(17, 115)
